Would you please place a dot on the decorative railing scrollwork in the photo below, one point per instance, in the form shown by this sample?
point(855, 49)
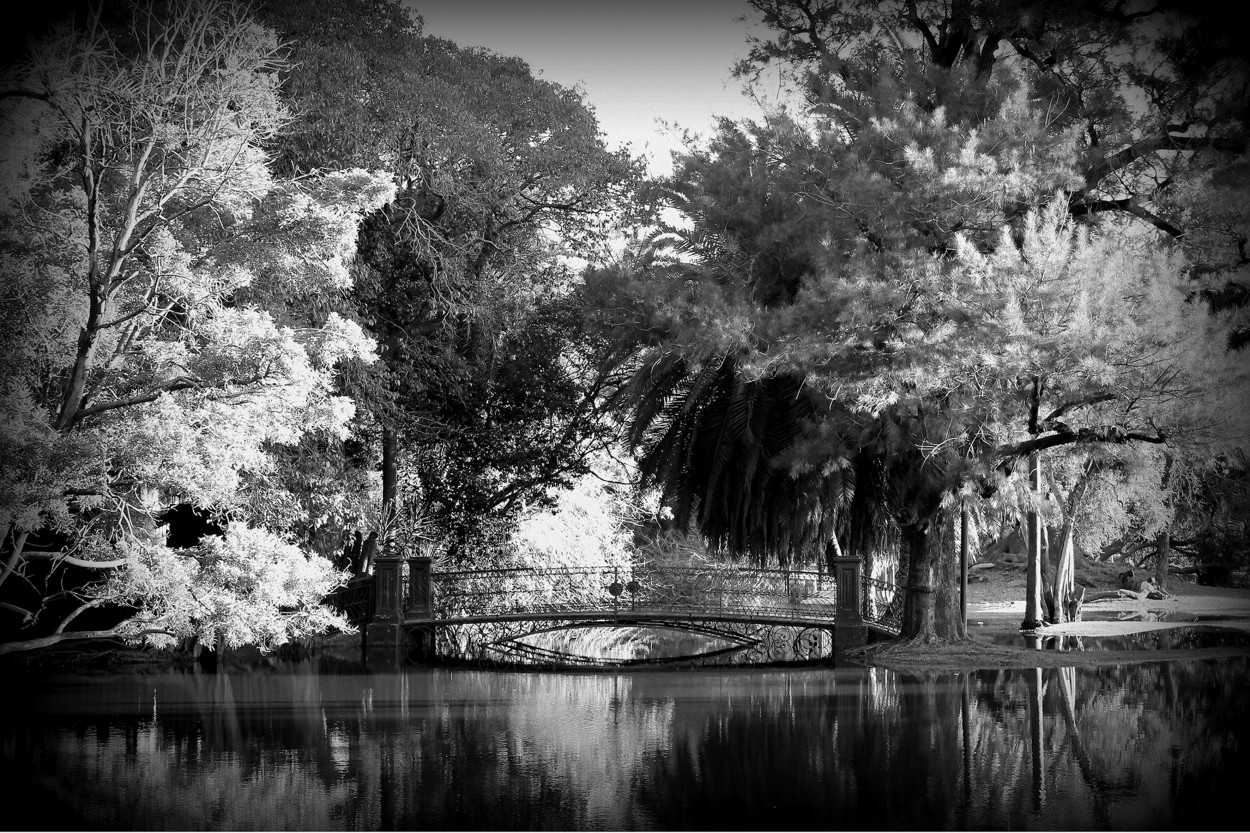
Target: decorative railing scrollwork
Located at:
point(883, 604)
point(705, 591)
point(730, 615)
point(724, 643)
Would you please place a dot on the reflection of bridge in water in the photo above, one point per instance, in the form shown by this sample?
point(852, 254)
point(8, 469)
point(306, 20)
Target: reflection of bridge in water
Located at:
point(734, 615)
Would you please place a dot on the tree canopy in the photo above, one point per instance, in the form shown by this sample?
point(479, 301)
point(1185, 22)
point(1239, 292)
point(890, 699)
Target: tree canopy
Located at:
point(143, 228)
point(319, 278)
point(485, 397)
point(970, 246)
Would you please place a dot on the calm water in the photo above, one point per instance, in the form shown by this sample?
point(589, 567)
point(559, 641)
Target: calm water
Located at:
point(1161, 746)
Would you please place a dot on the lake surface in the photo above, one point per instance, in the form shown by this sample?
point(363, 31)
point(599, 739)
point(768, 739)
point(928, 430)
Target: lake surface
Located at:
point(303, 746)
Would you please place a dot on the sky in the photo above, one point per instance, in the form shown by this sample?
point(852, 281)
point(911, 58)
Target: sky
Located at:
point(637, 62)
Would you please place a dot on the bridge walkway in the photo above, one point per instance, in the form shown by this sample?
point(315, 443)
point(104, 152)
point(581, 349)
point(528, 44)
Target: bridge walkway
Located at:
point(763, 615)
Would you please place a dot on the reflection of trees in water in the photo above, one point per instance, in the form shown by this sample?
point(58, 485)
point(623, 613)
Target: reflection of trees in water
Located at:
point(623, 642)
point(497, 750)
point(392, 750)
point(1106, 747)
point(1134, 746)
point(770, 751)
point(109, 789)
point(1139, 746)
point(191, 754)
point(588, 733)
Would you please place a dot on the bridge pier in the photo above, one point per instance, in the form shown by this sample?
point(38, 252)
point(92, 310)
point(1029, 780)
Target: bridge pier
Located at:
point(384, 636)
point(849, 629)
point(421, 606)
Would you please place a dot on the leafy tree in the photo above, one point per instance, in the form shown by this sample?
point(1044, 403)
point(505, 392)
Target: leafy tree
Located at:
point(533, 424)
point(945, 309)
point(483, 399)
point(143, 230)
point(707, 439)
point(1153, 97)
point(590, 525)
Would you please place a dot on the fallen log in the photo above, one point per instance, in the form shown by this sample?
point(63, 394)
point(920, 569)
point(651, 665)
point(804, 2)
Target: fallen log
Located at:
point(1147, 590)
point(1114, 594)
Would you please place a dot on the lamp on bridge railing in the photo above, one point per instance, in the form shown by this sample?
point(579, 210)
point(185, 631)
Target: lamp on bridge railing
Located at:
point(616, 588)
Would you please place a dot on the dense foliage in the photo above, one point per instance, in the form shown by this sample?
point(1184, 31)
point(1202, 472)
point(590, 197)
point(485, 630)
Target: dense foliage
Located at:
point(487, 395)
point(143, 231)
point(213, 232)
point(319, 279)
point(981, 240)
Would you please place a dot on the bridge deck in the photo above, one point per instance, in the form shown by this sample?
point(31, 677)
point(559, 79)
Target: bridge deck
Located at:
point(639, 618)
point(697, 599)
point(627, 617)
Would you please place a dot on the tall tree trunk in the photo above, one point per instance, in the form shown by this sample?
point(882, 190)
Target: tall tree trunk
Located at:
point(368, 552)
point(1066, 602)
point(390, 487)
point(1163, 550)
point(963, 567)
point(1033, 531)
point(1163, 541)
point(1063, 585)
point(920, 607)
point(931, 610)
point(18, 544)
point(943, 545)
point(88, 339)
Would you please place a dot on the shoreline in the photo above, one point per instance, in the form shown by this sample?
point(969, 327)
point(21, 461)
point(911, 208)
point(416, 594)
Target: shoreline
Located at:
point(996, 598)
point(995, 604)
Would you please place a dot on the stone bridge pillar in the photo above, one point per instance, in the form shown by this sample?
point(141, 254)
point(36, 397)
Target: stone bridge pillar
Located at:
point(421, 604)
point(420, 587)
point(385, 634)
point(849, 630)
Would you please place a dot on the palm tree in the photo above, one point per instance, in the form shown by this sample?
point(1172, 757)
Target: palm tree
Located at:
point(714, 445)
point(719, 446)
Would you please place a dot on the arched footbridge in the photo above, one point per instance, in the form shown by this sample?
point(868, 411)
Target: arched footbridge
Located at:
point(711, 614)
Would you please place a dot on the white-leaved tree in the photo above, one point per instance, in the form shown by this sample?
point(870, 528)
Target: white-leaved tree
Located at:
point(147, 248)
point(1123, 376)
point(1085, 348)
point(848, 338)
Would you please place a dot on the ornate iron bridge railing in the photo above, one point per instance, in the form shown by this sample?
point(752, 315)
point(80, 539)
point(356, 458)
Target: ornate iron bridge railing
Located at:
point(355, 600)
point(719, 642)
point(736, 615)
point(883, 604)
point(716, 592)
